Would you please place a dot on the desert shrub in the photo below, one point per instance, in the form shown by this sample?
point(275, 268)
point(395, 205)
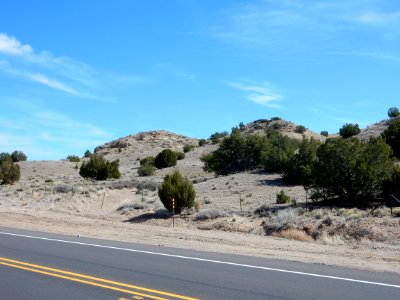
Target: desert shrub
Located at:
point(393, 112)
point(299, 168)
point(282, 198)
point(188, 148)
point(179, 155)
point(63, 188)
point(324, 133)
point(87, 154)
point(119, 144)
point(99, 168)
point(146, 170)
point(352, 171)
point(135, 205)
point(236, 153)
point(285, 217)
point(175, 186)
point(207, 214)
point(165, 159)
point(73, 158)
point(276, 118)
point(149, 160)
point(300, 129)
point(217, 136)
point(18, 156)
point(392, 137)
point(202, 142)
point(9, 171)
point(281, 150)
point(349, 130)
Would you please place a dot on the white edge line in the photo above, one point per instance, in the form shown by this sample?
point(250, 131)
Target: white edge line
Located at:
point(203, 260)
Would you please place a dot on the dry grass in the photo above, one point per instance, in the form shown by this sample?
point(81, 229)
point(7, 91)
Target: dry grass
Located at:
point(396, 212)
point(332, 240)
point(293, 234)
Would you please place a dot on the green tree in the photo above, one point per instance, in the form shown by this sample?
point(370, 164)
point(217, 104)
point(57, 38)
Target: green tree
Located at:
point(165, 159)
point(18, 156)
point(300, 129)
point(88, 153)
point(236, 153)
point(392, 137)
point(351, 170)
point(349, 130)
point(98, 168)
point(73, 158)
point(324, 133)
point(281, 150)
point(393, 112)
point(300, 166)
point(202, 142)
point(9, 171)
point(217, 136)
point(175, 186)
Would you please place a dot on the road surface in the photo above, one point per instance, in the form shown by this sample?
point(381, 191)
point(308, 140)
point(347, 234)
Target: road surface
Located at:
point(36, 265)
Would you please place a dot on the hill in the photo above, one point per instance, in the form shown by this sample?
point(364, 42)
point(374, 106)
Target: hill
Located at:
point(51, 194)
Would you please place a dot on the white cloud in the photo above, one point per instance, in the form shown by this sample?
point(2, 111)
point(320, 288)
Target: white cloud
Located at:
point(378, 18)
point(10, 45)
point(259, 93)
point(60, 73)
point(55, 84)
point(295, 26)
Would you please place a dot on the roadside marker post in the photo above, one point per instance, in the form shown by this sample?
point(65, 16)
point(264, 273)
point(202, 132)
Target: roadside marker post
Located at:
point(173, 212)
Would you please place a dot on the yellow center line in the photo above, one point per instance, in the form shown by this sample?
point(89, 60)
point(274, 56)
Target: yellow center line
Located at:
point(82, 281)
point(28, 266)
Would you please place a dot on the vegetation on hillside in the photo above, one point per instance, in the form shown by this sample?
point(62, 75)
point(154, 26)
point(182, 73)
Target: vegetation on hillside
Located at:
point(9, 170)
point(18, 156)
point(176, 187)
point(98, 168)
point(349, 130)
point(392, 137)
point(165, 159)
point(344, 169)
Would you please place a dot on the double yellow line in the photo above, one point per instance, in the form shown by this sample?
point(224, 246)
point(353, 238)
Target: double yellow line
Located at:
point(135, 290)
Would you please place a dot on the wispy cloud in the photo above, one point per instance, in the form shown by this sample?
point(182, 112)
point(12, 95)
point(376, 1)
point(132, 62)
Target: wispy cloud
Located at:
point(10, 45)
point(63, 74)
point(259, 93)
point(43, 133)
point(53, 83)
point(292, 26)
point(374, 55)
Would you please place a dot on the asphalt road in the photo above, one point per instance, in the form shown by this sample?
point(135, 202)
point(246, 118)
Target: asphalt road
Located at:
point(36, 265)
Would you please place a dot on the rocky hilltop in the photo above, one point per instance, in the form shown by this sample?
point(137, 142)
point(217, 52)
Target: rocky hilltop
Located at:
point(284, 127)
point(376, 129)
point(150, 142)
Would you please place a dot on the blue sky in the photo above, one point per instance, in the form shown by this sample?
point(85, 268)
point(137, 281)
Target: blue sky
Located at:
point(76, 74)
